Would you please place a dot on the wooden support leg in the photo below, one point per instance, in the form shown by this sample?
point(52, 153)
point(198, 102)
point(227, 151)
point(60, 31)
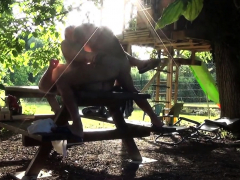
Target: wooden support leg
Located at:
point(123, 128)
point(37, 162)
point(41, 155)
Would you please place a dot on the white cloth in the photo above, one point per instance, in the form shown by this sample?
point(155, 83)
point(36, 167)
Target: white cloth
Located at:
point(60, 147)
point(45, 126)
point(41, 126)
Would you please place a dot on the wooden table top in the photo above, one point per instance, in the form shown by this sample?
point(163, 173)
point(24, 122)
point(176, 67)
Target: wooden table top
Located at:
point(33, 91)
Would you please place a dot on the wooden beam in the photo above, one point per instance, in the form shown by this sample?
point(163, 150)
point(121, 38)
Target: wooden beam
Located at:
point(182, 61)
point(175, 44)
point(93, 135)
point(155, 75)
point(207, 47)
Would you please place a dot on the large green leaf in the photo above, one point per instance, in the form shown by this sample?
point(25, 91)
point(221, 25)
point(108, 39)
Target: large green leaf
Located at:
point(194, 7)
point(172, 13)
point(190, 9)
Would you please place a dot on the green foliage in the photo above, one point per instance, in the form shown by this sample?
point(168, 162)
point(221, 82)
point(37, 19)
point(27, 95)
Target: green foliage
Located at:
point(190, 9)
point(28, 32)
point(205, 56)
point(193, 9)
point(28, 109)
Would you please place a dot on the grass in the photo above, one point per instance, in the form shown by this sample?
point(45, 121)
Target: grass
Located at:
point(211, 105)
point(44, 108)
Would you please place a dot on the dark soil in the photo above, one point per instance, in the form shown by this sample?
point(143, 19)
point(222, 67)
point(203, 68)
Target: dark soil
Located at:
point(108, 160)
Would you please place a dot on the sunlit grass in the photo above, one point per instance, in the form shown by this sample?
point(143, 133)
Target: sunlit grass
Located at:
point(44, 108)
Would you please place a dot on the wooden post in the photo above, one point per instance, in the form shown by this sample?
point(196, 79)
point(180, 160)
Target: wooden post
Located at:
point(176, 83)
point(157, 84)
point(169, 83)
point(129, 49)
point(193, 57)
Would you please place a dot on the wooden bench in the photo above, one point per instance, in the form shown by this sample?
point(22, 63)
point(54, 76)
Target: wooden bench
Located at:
point(124, 131)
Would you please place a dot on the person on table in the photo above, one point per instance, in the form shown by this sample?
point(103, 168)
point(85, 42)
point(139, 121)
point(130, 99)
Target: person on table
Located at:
point(100, 63)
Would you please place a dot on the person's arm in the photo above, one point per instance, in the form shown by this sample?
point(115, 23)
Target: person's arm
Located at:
point(46, 82)
point(70, 50)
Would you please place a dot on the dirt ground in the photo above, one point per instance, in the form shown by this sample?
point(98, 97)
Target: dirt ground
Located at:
point(108, 160)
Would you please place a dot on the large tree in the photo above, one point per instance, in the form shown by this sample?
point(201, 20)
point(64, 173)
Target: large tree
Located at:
point(222, 23)
point(25, 19)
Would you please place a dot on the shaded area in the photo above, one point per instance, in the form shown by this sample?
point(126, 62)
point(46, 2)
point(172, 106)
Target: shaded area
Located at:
point(109, 160)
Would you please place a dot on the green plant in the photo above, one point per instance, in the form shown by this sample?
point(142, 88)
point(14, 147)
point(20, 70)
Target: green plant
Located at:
point(28, 109)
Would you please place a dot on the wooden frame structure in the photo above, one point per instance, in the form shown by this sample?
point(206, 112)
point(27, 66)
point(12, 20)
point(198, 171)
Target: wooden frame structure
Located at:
point(166, 41)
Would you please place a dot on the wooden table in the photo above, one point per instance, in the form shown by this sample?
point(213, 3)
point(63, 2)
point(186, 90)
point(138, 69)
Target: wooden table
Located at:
point(124, 131)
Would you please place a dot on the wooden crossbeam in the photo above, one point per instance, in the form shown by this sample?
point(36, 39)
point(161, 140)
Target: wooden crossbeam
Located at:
point(20, 127)
point(89, 136)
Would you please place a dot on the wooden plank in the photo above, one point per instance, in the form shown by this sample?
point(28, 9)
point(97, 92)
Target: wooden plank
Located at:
point(138, 41)
point(183, 61)
point(38, 161)
point(146, 33)
point(19, 127)
point(175, 44)
point(91, 135)
point(29, 142)
point(112, 95)
point(151, 81)
point(33, 91)
point(208, 47)
point(24, 91)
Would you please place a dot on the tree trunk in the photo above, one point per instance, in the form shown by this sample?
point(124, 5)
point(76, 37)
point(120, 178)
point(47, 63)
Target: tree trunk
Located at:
point(222, 19)
point(228, 79)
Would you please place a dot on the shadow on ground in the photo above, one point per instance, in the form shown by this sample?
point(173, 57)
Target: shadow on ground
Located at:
point(108, 160)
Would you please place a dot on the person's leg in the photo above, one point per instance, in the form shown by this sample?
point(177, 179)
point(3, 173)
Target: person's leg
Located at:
point(143, 65)
point(78, 76)
point(126, 82)
point(111, 46)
